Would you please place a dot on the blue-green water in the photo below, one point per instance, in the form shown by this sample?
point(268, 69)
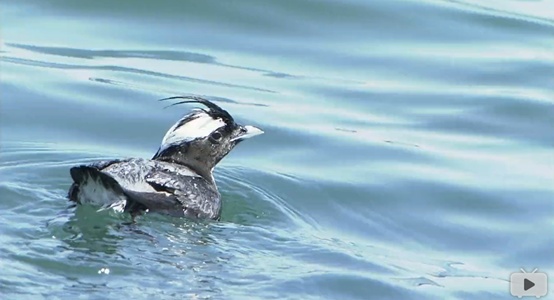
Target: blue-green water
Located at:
point(408, 154)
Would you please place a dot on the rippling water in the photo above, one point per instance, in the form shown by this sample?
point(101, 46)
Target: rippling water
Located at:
point(408, 151)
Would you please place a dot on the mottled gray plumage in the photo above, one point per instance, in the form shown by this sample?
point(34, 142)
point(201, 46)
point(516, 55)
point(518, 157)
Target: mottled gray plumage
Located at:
point(177, 181)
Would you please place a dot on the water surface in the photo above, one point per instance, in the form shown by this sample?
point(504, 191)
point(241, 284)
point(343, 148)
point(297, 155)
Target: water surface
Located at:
point(408, 151)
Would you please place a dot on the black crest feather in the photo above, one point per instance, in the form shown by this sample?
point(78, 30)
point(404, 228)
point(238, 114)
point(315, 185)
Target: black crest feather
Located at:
point(214, 110)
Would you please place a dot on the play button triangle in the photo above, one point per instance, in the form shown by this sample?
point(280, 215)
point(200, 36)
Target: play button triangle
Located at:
point(527, 284)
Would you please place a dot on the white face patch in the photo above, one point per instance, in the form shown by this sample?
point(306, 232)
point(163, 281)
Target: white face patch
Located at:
point(201, 126)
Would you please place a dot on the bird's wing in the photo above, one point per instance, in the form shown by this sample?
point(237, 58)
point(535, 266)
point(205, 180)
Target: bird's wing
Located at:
point(193, 195)
point(102, 164)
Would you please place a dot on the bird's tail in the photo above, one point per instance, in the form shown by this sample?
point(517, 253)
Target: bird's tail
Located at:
point(92, 186)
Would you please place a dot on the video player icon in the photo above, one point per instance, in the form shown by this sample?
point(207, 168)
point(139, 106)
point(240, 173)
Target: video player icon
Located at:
point(523, 284)
point(527, 284)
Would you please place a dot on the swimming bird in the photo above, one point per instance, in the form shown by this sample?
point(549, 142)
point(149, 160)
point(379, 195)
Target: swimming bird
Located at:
point(178, 180)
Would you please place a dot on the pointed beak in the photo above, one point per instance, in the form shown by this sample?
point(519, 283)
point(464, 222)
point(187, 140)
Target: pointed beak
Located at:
point(247, 132)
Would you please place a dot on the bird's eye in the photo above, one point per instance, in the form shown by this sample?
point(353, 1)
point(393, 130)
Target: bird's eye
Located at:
point(216, 136)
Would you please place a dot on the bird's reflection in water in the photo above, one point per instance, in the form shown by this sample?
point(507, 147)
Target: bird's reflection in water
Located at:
point(154, 244)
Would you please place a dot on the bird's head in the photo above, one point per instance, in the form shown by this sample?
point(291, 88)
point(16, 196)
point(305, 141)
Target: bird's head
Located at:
point(200, 139)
